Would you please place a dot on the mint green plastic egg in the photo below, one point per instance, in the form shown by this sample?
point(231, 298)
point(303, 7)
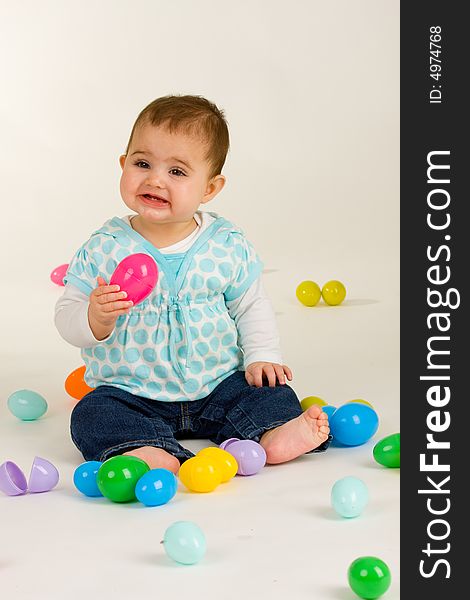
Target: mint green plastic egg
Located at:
point(349, 497)
point(27, 405)
point(184, 542)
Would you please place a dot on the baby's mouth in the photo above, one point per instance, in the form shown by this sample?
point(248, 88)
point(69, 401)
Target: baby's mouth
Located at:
point(155, 199)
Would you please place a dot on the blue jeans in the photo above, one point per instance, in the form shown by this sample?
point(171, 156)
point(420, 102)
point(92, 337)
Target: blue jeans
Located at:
point(109, 421)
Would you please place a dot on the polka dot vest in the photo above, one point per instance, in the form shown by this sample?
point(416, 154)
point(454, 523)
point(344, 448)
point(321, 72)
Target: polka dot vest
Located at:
point(180, 342)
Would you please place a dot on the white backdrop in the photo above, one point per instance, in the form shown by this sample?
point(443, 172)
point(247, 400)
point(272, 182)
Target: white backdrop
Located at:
point(311, 93)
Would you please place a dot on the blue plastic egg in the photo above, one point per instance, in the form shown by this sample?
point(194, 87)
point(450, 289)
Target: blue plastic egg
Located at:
point(27, 405)
point(156, 487)
point(353, 424)
point(349, 496)
point(84, 478)
point(329, 410)
point(184, 542)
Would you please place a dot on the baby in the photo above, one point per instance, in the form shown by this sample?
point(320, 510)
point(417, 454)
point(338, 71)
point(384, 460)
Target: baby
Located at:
point(199, 357)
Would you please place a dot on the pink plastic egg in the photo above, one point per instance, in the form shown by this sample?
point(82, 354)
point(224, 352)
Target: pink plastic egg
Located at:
point(58, 274)
point(137, 275)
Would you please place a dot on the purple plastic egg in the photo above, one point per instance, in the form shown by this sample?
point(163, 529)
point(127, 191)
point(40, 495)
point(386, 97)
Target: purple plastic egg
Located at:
point(137, 275)
point(44, 476)
point(249, 455)
point(12, 479)
point(224, 445)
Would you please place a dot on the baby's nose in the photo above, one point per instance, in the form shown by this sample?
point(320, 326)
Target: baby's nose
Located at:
point(155, 179)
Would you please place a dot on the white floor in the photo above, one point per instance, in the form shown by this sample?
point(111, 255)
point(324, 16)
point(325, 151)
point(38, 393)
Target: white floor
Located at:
point(273, 534)
point(313, 180)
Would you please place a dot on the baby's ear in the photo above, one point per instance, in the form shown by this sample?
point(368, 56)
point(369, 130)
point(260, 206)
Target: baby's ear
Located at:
point(122, 160)
point(214, 186)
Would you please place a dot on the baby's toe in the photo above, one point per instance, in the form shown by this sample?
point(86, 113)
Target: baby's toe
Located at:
point(313, 412)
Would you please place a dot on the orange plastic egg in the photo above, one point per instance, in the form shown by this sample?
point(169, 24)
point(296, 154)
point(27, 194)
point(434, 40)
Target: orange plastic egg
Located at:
point(75, 384)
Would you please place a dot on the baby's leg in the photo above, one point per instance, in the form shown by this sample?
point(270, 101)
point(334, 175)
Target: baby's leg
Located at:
point(298, 436)
point(271, 416)
point(109, 421)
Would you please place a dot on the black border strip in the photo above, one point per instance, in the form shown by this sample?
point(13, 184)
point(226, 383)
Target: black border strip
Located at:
point(434, 272)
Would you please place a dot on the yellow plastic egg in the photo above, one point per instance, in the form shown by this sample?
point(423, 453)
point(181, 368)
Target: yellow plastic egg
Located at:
point(361, 401)
point(308, 292)
point(200, 474)
point(309, 400)
point(223, 461)
point(333, 292)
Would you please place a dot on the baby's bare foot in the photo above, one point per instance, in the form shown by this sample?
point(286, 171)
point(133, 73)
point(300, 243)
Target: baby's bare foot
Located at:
point(156, 458)
point(296, 437)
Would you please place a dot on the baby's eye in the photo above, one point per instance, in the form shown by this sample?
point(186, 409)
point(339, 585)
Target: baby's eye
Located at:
point(177, 172)
point(142, 163)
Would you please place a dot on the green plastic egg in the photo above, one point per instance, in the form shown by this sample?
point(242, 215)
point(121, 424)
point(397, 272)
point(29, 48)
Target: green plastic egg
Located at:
point(369, 577)
point(117, 477)
point(387, 451)
point(27, 405)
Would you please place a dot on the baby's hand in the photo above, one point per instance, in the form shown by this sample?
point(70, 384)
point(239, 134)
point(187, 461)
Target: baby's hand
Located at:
point(255, 372)
point(106, 305)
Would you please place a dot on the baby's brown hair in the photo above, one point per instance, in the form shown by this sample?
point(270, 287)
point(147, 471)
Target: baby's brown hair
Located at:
point(192, 115)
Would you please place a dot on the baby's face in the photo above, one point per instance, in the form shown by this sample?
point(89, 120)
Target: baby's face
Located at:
point(165, 176)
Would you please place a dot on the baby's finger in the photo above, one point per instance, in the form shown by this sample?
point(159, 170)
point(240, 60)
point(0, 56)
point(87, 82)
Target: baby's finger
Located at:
point(280, 374)
point(111, 297)
point(288, 372)
point(270, 375)
point(258, 376)
point(105, 289)
point(101, 281)
point(112, 307)
point(101, 294)
point(249, 378)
